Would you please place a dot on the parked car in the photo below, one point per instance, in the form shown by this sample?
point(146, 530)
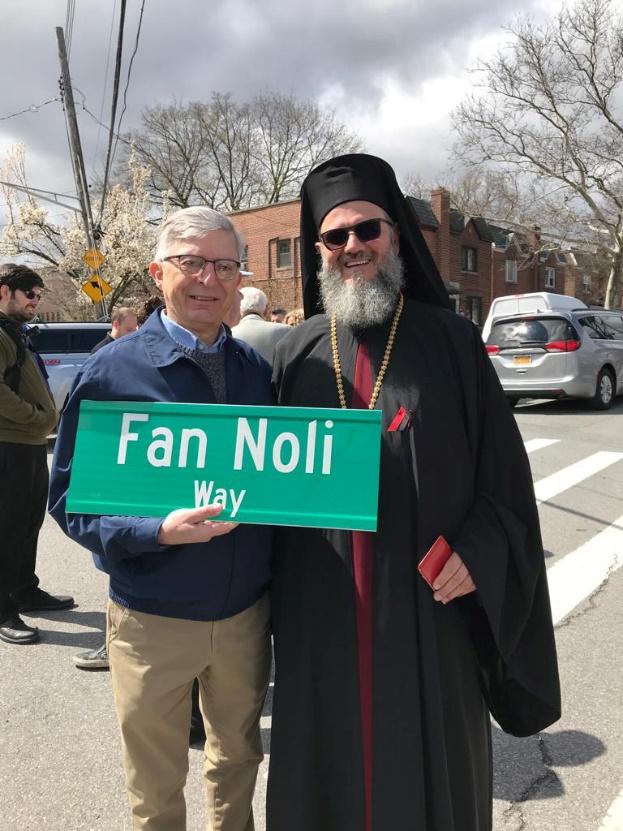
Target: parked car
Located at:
point(575, 354)
point(64, 347)
point(535, 302)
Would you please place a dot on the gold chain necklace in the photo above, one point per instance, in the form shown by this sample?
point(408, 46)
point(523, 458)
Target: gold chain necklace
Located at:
point(337, 366)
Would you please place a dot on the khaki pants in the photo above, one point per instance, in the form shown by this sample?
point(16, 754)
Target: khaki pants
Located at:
point(153, 662)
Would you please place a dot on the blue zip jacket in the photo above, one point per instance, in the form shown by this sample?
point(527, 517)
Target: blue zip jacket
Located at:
point(207, 581)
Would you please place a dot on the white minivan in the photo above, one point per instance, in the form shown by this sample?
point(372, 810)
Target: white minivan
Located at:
point(535, 302)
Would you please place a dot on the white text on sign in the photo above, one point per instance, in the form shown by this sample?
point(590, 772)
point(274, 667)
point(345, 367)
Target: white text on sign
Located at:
point(251, 446)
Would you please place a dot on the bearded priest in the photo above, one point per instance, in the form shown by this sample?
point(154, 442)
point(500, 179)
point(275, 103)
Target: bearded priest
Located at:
point(385, 686)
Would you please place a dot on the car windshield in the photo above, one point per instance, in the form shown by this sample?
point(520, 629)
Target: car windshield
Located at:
point(519, 332)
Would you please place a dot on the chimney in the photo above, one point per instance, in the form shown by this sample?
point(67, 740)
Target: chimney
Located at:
point(440, 203)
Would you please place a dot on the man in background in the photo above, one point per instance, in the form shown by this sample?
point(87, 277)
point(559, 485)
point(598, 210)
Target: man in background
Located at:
point(27, 416)
point(253, 328)
point(123, 322)
point(277, 315)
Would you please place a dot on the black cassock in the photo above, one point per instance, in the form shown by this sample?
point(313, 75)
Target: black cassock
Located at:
point(460, 470)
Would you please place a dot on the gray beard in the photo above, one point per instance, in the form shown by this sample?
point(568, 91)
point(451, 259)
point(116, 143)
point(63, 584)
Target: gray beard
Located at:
point(361, 303)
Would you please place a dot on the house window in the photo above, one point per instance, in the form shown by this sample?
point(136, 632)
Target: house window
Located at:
point(510, 271)
point(586, 282)
point(469, 259)
point(550, 278)
point(244, 262)
point(284, 253)
point(474, 309)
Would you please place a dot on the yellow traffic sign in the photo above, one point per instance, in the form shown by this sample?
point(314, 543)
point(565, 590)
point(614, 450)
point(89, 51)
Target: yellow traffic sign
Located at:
point(93, 257)
point(96, 288)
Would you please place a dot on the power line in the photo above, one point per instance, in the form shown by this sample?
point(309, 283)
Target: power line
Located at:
point(69, 24)
point(127, 83)
point(97, 143)
point(95, 118)
point(115, 96)
point(32, 109)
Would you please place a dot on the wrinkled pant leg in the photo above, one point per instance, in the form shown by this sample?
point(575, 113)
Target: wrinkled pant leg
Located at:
point(153, 663)
point(39, 483)
point(23, 494)
point(232, 693)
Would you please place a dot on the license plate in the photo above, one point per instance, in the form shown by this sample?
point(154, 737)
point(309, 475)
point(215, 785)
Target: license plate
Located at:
point(522, 360)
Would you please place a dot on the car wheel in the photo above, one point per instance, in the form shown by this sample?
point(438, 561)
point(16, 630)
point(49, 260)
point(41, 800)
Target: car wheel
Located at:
point(604, 391)
point(512, 401)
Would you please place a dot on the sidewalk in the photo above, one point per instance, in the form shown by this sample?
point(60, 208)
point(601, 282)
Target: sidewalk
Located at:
point(59, 745)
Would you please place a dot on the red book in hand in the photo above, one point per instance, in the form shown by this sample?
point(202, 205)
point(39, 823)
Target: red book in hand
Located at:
point(434, 560)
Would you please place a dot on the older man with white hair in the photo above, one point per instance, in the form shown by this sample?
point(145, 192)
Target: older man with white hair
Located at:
point(253, 328)
point(187, 595)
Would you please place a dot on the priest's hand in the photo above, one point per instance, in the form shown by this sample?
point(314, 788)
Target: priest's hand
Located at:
point(454, 580)
point(193, 525)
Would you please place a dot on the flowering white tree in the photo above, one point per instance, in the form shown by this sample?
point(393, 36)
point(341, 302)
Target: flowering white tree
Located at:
point(128, 224)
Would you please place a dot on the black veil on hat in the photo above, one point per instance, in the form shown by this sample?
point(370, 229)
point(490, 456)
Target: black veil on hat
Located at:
point(359, 176)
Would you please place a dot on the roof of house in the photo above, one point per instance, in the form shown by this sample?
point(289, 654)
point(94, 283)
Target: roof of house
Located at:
point(424, 213)
point(458, 220)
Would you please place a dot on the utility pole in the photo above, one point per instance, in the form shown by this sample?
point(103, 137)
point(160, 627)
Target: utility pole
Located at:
point(75, 148)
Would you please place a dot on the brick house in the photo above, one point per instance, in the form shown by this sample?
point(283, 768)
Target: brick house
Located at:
point(273, 251)
point(461, 247)
point(478, 260)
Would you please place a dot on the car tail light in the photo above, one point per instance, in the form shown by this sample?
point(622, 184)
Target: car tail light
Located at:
point(493, 350)
point(562, 346)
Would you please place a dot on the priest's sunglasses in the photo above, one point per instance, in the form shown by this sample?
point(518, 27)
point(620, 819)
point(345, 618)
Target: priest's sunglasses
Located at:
point(366, 231)
point(194, 266)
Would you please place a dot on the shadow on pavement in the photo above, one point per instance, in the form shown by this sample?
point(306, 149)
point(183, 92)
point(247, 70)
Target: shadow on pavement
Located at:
point(565, 406)
point(524, 768)
point(83, 640)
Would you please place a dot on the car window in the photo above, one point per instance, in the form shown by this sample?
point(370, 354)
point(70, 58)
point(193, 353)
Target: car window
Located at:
point(512, 333)
point(83, 340)
point(614, 326)
point(67, 341)
point(51, 340)
point(595, 328)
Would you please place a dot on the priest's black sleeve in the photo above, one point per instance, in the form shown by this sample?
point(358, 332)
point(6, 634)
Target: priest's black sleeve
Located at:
point(500, 543)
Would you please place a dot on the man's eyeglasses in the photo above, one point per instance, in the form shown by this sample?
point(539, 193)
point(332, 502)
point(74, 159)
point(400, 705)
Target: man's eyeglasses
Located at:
point(193, 266)
point(31, 294)
point(366, 231)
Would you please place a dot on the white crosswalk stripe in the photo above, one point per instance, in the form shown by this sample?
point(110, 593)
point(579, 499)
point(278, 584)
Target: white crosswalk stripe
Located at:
point(532, 445)
point(572, 475)
point(577, 575)
point(613, 821)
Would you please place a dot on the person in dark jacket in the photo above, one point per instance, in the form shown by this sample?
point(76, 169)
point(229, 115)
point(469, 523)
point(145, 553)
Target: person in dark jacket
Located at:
point(123, 321)
point(188, 597)
point(27, 416)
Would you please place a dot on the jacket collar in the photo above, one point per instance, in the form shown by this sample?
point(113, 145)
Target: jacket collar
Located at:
point(161, 349)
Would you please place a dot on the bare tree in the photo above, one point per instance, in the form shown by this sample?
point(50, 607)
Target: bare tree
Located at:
point(232, 155)
point(227, 130)
point(171, 143)
point(551, 108)
point(292, 137)
point(414, 184)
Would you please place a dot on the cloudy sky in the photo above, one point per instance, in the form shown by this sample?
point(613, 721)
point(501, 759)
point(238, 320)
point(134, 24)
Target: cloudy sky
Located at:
point(391, 69)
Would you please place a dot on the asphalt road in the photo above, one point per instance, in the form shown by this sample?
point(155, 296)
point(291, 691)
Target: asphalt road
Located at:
point(59, 745)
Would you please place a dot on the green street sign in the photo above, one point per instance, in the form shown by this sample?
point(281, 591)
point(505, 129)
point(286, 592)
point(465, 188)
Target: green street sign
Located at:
point(272, 465)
